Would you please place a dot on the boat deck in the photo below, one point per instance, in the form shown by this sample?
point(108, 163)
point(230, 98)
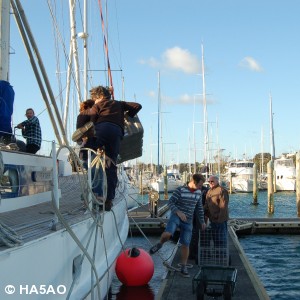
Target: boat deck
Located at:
point(36, 221)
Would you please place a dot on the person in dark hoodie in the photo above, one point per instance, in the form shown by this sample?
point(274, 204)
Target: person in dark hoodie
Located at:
point(108, 118)
point(88, 140)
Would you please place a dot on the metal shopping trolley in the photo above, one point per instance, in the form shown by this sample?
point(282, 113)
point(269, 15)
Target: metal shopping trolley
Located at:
point(215, 277)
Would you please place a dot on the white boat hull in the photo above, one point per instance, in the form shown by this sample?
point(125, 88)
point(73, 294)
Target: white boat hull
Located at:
point(49, 261)
point(285, 184)
point(159, 185)
point(285, 174)
point(240, 185)
point(45, 265)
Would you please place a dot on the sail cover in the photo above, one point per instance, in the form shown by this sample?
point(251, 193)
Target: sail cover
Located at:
point(7, 96)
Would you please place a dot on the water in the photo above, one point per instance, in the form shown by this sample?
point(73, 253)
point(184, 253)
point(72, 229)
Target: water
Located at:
point(274, 257)
point(284, 205)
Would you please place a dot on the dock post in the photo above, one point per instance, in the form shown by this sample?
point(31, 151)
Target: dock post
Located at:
point(141, 182)
point(274, 181)
point(153, 201)
point(230, 183)
point(184, 177)
point(188, 178)
point(270, 167)
point(166, 196)
point(298, 182)
point(254, 185)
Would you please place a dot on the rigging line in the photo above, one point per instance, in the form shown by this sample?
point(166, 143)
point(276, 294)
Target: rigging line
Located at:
point(50, 104)
point(42, 69)
point(92, 228)
point(119, 44)
point(27, 37)
point(76, 240)
point(67, 57)
point(106, 49)
point(57, 55)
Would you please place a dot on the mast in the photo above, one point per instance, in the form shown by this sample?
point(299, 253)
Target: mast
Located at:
point(194, 138)
point(74, 46)
point(4, 39)
point(204, 113)
point(262, 151)
point(85, 51)
point(272, 130)
point(190, 168)
point(158, 124)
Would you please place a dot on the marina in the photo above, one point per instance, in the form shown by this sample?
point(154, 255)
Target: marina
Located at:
point(274, 231)
point(75, 197)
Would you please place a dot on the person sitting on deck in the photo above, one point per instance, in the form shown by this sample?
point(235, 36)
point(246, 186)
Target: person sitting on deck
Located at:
point(31, 131)
point(183, 202)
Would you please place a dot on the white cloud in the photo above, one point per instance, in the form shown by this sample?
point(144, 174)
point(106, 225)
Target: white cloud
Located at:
point(181, 59)
point(187, 99)
point(152, 94)
point(175, 58)
point(152, 62)
point(250, 63)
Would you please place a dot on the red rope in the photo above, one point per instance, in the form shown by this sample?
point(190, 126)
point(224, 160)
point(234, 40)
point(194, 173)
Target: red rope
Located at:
point(106, 50)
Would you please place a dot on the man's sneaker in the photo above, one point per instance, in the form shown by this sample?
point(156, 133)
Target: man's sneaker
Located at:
point(184, 272)
point(155, 248)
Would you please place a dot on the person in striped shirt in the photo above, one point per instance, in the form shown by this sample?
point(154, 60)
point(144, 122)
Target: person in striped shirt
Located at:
point(183, 202)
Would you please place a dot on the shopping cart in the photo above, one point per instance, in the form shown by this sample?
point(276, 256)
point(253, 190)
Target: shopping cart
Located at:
point(215, 277)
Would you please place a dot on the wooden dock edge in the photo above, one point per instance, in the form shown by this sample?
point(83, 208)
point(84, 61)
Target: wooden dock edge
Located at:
point(161, 289)
point(259, 287)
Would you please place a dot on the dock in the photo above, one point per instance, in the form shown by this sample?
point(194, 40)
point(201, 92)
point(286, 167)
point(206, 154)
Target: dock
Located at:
point(248, 286)
point(266, 226)
point(142, 218)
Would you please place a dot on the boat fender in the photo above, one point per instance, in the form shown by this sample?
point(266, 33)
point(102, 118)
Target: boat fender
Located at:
point(134, 267)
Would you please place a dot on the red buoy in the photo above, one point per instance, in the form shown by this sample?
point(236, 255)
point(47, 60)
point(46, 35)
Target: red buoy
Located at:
point(134, 267)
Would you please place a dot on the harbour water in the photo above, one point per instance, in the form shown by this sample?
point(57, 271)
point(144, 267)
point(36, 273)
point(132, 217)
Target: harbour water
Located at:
point(274, 257)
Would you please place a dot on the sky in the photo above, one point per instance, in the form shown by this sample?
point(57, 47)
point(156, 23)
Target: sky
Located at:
point(251, 51)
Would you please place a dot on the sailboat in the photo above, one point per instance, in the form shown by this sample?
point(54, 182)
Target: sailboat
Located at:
point(55, 241)
point(173, 179)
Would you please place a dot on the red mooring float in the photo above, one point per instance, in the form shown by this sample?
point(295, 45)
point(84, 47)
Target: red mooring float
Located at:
point(134, 267)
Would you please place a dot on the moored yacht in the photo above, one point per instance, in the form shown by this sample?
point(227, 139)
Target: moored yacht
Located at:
point(241, 174)
point(173, 182)
point(285, 174)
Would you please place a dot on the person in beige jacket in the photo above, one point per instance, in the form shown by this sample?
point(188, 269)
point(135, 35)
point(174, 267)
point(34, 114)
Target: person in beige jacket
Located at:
point(216, 209)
